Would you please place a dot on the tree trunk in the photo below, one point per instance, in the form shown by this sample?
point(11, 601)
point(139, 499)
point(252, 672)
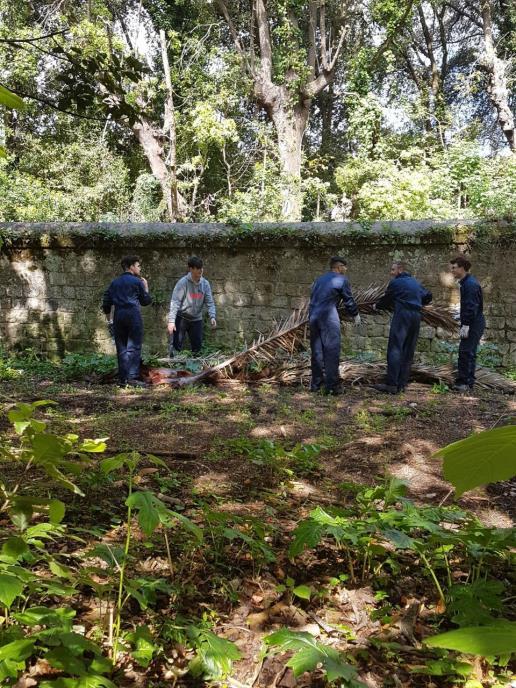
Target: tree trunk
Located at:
point(170, 126)
point(498, 71)
point(290, 124)
point(149, 138)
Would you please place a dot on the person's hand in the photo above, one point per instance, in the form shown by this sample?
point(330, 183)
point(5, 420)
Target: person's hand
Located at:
point(213, 323)
point(357, 320)
point(171, 328)
point(464, 332)
point(111, 328)
point(145, 283)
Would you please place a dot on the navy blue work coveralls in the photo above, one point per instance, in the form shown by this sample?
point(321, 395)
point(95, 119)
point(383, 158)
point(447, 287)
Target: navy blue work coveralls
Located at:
point(328, 291)
point(126, 294)
point(472, 314)
point(406, 295)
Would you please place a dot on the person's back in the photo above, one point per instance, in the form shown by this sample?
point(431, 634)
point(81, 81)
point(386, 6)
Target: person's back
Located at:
point(126, 294)
point(126, 291)
point(406, 296)
point(404, 291)
point(328, 291)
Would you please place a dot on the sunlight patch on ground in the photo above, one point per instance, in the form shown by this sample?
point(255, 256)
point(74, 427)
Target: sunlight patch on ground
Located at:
point(212, 483)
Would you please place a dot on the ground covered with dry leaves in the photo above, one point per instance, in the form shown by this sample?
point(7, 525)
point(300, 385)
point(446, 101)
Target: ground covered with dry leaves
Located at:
point(247, 464)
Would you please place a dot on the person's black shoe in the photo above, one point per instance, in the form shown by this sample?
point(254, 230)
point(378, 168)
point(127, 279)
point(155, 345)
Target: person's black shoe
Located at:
point(461, 388)
point(334, 391)
point(315, 388)
point(137, 383)
point(386, 389)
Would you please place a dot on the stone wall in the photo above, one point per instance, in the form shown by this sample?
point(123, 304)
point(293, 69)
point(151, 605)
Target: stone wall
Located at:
point(53, 277)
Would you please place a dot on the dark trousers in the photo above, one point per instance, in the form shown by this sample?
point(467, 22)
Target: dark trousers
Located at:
point(468, 353)
point(325, 346)
point(192, 328)
point(403, 336)
point(128, 331)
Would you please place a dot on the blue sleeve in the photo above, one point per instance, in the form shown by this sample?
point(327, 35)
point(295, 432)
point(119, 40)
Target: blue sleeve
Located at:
point(426, 296)
point(347, 298)
point(144, 297)
point(470, 302)
point(107, 301)
point(387, 300)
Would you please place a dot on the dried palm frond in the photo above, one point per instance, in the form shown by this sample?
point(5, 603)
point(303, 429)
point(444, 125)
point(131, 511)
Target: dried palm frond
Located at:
point(355, 372)
point(290, 334)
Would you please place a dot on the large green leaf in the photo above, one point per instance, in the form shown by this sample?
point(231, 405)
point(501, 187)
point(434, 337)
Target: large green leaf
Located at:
point(10, 100)
point(18, 650)
point(10, 588)
point(90, 681)
point(483, 458)
point(309, 654)
point(486, 641)
point(151, 510)
point(46, 616)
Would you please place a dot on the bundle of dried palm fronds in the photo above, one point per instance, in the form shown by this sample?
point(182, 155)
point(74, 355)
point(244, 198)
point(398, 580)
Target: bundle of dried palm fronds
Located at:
point(290, 335)
point(366, 373)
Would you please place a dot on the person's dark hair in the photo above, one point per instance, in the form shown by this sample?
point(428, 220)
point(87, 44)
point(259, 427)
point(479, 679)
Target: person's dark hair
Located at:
point(335, 260)
point(127, 261)
point(194, 262)
point(462, 262)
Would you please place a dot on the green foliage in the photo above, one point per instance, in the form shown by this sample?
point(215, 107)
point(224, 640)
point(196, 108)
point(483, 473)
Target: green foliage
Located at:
point(66, 181)
point(486, 641)
point(482, 458)
point(309, 653)
point(214, 655)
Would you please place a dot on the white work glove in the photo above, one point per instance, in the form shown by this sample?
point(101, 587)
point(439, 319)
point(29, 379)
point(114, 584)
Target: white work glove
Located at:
point(357, 320)
point(464, 331)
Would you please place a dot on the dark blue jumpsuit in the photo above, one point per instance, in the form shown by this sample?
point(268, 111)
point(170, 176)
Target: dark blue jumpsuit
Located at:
point(406, 295)
point(472, 314)
point(327, 292)
point(126, 294)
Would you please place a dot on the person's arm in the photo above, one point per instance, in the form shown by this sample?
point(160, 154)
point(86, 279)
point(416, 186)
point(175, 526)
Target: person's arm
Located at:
point(210, 304)
point(426, 296)
point(387, 300)
point(175, 304)
point(107, 302)
point(347, 299)
point(470, 299)
point(144, 296)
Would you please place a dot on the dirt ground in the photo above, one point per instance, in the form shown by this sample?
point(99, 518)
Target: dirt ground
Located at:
point(364, 436)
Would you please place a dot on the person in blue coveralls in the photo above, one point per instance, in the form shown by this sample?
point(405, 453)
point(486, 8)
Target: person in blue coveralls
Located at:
point(472, 322)
point(406, 296)
point(328, 291)
point(127, 293)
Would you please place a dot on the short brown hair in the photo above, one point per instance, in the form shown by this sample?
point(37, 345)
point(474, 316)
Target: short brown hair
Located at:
point(335, 260)
point(462, 262)
point(127, 261)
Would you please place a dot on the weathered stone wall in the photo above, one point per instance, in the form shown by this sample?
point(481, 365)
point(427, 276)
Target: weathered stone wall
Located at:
point(53, 276)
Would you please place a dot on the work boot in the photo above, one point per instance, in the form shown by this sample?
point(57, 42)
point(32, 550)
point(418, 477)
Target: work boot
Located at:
point(386, 389)
point(460, 388)
point(334, 391)
point(137, 383)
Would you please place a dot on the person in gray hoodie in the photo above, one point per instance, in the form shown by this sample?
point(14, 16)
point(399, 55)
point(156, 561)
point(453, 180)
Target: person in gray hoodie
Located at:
point(191, 294)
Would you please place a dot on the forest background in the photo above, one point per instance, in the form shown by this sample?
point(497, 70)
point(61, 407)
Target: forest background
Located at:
point(247, 110)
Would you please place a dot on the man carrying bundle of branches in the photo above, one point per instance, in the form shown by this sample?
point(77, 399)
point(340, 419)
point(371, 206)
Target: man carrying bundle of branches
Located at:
point(406, 296)
point(327, 292)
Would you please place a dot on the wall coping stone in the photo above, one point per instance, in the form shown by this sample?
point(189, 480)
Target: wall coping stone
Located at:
point(88, 234)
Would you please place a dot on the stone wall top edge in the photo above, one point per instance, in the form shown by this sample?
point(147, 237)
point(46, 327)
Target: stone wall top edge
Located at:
point(195, 229)
point(84, 234)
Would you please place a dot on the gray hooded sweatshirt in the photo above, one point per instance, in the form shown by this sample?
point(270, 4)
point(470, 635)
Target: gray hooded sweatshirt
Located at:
point(189, 298)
